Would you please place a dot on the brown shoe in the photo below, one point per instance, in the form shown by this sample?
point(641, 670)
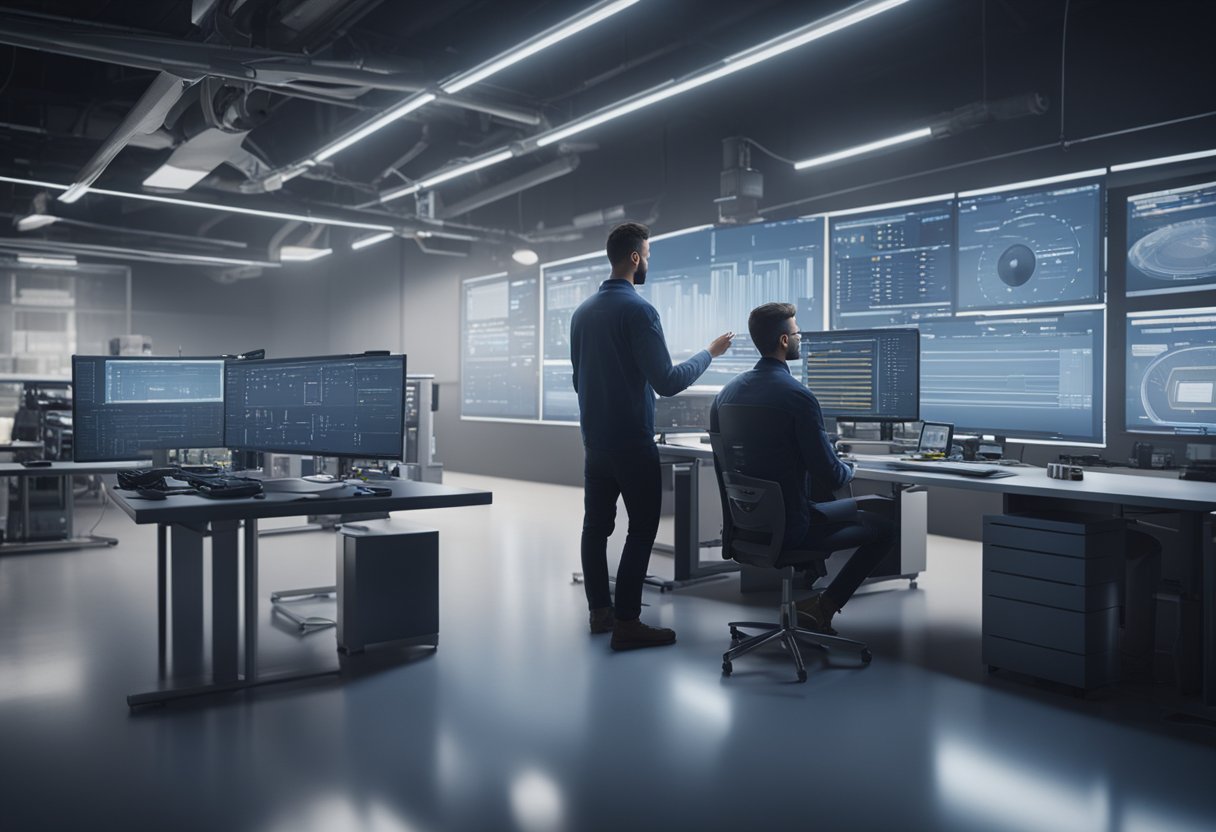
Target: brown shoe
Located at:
point(815, 613)
point(603, 619)
point(630, 635)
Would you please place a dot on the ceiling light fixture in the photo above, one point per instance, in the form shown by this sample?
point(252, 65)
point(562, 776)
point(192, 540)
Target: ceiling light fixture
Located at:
point(302, 254)
point(727, 66)
point(869, 147)
point(525, 257)
point(367, 242)
point(1164, 160)
point(583, 20)
point(452, 173)
point(172, 178)
point(67, 262)
point(401, 110)
point(73, 193)
point(32, 222)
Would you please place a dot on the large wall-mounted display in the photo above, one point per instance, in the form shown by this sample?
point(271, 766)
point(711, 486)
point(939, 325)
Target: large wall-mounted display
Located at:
point(1171, 241)
point(1171, 372)
point(1023, 247)
point(499, 331)
point(1036, 376)
point(892, 266)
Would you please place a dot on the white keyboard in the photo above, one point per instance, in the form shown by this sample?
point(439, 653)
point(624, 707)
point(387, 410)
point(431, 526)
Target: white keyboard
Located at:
point(966, 469)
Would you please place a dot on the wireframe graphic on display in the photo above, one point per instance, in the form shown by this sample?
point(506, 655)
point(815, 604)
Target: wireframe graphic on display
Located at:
point(1026, 377)
point(1030, 247)
point(500, 317)
point(702, 283)
point(892, 266)
point(687, 412)
point(1171, 238)
point(350, 406)
point(864, 374)
point(125, 408)
point(1171, 372)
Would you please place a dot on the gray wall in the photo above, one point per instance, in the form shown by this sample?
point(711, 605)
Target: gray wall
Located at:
point(181, 309)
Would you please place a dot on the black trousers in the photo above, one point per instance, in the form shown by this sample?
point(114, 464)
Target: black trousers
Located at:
point(634, 475)
point(874, 536)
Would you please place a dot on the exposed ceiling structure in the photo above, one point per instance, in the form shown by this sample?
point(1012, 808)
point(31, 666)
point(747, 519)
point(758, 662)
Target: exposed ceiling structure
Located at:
point(236, 135)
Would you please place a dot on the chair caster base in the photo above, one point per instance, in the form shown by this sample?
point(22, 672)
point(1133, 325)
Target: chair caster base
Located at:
point(866, 656)
point(727, 667)
point(801, 675)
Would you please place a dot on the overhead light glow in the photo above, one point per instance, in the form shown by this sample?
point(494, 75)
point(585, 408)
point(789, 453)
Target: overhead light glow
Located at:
point(67, 262)
point(1035, 183)
point(583, 20)
point(727, 66)
point(447, 175)
point(302, 254)
point(828, 158)
point(1163, 160)
point(73, 193)
point(367, 242)
point(525, 257)
point(403, 109)
point(172, 178)
point(32, 222)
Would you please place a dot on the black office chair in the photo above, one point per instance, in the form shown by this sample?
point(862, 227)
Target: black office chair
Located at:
point(753, 531)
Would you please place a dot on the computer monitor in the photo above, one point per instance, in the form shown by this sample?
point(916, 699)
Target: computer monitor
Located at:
point(342, 406)
point(1171, 372)
point(1171, 241)
point(1035, 377)
point(864, 375)
point(123, 408)
point(685, 413)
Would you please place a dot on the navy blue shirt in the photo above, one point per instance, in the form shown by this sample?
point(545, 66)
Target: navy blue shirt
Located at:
point(620, 361)
point(810, 470)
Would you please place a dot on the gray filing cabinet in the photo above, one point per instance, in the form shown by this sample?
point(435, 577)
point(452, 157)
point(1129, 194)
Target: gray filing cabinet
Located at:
point(1051, 596)
point(388, 585)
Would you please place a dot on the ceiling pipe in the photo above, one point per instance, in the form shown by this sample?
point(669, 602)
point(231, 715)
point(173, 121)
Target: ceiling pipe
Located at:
point(545, 173)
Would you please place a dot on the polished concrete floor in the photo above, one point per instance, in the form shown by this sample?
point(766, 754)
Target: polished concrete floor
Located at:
point(523, 721)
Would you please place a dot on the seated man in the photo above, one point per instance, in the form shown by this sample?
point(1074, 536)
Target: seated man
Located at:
point(815, 471)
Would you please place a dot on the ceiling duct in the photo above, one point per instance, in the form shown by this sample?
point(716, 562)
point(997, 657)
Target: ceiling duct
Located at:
point(545, 173)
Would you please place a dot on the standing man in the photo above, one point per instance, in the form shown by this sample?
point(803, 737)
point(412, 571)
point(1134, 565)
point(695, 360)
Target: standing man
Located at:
point(804, 463)
point(620, 361)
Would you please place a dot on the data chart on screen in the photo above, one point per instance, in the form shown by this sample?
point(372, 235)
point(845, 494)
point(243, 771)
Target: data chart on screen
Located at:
point(500, 317)
point(1171, 241)
point(1170, 385)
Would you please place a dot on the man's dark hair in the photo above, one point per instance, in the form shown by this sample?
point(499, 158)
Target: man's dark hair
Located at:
point(624, 240)
point(766, 324)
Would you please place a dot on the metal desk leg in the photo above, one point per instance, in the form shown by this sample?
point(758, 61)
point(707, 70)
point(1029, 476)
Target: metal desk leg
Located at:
point(186, 592)
point(251, 600)
point(1208, 551)
point(687, 551)
point(225, 612)
point(162, 565)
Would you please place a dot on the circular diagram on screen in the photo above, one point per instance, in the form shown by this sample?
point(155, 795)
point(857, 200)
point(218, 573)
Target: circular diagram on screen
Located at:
point(1029, 259)
point(1182, 251)
point(1179, 387)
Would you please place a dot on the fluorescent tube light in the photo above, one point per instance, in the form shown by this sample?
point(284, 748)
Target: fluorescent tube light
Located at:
point(403, 109)
point(865, 209)
point(1164, 160)
point(827, 158)
point(302, 254)
point(32, 222)
point(367, 242)
point(447, 175)
point(47, 260)
point(727, 66)
point(525, 257)
point(1034, 183)
point(583, 20)
point(73, 193)
point(172, 178)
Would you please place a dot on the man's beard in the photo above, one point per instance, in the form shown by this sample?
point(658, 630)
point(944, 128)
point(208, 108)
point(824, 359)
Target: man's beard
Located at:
point(791, 352)
point(639, 277)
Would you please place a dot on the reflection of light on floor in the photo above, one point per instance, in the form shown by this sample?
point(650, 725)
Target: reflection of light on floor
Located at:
point(536, 802)
point(31, 678)
point(1001, 794)
point(338, 813)
point(1153, 817)
point(709, 706)
point(449, 761)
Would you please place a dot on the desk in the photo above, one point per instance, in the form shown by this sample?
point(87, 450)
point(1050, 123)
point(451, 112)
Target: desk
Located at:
point(193, 518)
point(64, 471)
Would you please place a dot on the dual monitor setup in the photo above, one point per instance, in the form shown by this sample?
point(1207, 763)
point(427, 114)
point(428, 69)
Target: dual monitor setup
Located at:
point(1021, 333)
point(351, 406)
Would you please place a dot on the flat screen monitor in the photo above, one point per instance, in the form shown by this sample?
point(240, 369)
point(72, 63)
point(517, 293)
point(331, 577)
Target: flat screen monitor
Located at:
point(1037, 377)
point(342, 406)
point(123, 408)
point(685, 413)
point(1171, 241)
point(1171, 372)
point(892, 265)
point(1021, 247)
point(500, 326)
point(864, 375)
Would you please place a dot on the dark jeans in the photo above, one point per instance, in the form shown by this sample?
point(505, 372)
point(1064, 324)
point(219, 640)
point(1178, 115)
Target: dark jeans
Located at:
point(874, 536)
point(633, 474)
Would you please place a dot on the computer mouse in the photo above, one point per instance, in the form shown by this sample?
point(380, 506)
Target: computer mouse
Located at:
point(151, 494)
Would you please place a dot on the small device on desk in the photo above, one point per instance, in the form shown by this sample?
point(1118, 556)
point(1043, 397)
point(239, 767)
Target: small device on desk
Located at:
point(37, 463)
point(935, 440)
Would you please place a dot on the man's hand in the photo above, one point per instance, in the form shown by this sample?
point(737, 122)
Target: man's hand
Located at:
point(720, 344)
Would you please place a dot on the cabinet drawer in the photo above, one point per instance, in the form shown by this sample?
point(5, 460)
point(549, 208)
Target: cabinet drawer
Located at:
point(1106, 544)
point(1082, 671)
point(1075, 632)
point(1049, 567)
point(1067, 596)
